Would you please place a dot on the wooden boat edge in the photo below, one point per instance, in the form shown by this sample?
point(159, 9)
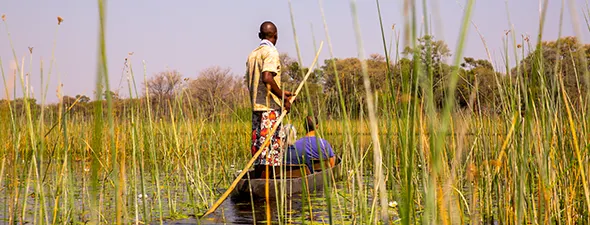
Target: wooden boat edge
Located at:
point(291, 185)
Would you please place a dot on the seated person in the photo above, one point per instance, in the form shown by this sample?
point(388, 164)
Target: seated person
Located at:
point(308, 148)
point(288, 148)
point(292, 156)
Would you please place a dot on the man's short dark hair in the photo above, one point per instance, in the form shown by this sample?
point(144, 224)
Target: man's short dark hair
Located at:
point(267, 30)
point(310, 123)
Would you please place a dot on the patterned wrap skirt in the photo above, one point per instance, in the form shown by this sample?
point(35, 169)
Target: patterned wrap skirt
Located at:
point(262, 123)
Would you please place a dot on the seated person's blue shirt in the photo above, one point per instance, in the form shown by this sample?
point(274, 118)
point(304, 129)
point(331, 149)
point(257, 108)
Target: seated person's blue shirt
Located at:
point(308, 147)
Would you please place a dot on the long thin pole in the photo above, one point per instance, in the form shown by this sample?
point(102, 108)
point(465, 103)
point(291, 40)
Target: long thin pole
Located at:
point(266, 142)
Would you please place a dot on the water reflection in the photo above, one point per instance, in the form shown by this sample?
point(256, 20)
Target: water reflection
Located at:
point(295, 210)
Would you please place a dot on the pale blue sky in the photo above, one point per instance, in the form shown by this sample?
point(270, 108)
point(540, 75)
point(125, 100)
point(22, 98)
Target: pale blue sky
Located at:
point(192, 35)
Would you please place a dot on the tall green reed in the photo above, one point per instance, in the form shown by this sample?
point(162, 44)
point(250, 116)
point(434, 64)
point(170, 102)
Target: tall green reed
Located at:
point(379, 181)
point(348, 143)
point(149, 138)
point(311, 112)
point(32, 137)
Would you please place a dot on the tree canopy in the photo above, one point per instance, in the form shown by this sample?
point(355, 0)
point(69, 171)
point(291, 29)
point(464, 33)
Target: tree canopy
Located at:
point(480, 86)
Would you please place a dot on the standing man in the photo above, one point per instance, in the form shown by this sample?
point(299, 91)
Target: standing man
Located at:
point(267, 98)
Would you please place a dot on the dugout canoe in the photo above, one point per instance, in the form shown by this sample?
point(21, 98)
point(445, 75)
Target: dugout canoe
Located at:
point(286, 185)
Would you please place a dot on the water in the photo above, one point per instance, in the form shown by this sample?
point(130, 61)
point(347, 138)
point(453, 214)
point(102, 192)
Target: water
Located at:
point(296, 209)
point(243, 213)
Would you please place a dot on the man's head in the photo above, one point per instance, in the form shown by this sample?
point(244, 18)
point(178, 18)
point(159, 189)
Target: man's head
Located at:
point(268, 31)
point(310, 123)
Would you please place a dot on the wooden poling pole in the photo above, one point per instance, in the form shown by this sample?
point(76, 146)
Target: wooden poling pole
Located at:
point(266, 142)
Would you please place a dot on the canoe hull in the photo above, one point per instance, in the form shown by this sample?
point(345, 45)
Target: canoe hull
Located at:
point(280, 187)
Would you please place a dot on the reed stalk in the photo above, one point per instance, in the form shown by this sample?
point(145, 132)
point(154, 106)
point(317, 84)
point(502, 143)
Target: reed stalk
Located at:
point(379, 181)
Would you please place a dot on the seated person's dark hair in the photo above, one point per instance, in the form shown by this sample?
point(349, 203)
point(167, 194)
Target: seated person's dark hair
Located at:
point(310, 123)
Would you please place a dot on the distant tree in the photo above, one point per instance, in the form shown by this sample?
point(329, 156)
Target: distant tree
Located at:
point(164, 85)
point(351, 80)
point(471, 63)
point(68, 100)
point(432, 55)
point(542, 67)
point(377, 69)
point(439, 51)
point(114, 95)
point(19, 106)
point(292, 75)
point(83, 98)
point(215, 87)
point(81, 107)
point(289, 67)
point(479, 76)
point(402, 75)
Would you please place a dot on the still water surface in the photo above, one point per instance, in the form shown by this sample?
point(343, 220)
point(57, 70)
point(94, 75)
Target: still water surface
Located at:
point(298, 211)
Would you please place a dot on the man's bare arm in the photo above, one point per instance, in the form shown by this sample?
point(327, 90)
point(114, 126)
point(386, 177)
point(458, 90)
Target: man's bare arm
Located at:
point(267, 78)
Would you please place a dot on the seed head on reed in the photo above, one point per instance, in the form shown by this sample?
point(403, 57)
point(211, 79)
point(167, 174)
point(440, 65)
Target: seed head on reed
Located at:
point(59, 20)
point(472, 172)
point(58, 91)
point(496, 164)
point(526, 37)
point(129, 54)
point(3, 17)
point(518, 46)
point(31, 50)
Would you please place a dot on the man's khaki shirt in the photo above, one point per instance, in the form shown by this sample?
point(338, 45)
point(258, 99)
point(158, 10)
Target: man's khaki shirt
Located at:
point(262, 59)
